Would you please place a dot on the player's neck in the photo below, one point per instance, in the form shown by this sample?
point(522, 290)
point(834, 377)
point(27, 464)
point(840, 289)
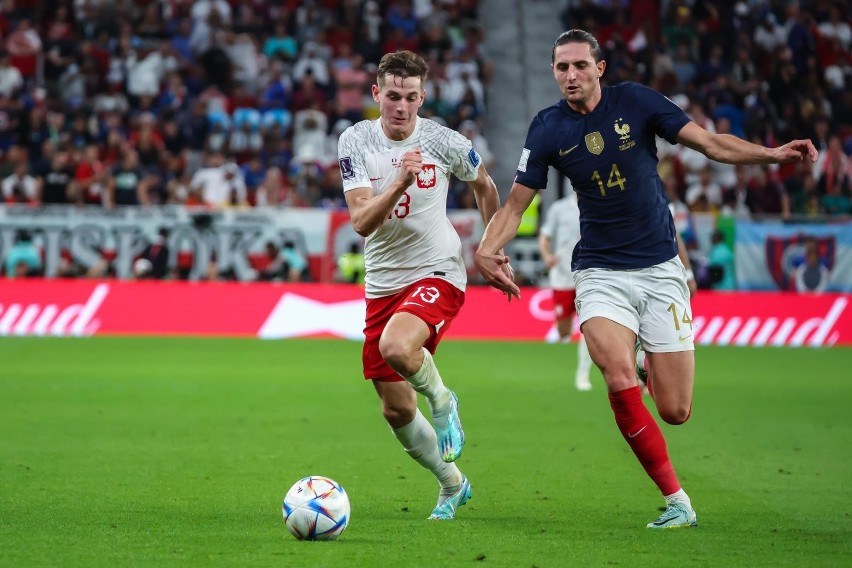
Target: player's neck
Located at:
point(587, 106)
point(395, 134)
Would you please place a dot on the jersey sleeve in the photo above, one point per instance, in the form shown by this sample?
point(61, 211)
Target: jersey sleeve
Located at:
point(668, 118)
point(464, 160)
point(532, 167)
point(350, 158)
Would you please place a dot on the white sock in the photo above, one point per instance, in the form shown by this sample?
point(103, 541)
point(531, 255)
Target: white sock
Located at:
point(427, 381)
point(420, 442)
point(584, 360)
point(679, 496)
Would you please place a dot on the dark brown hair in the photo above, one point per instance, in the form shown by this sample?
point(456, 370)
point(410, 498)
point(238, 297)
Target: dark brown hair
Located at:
point(402, 64)
point(578, 36)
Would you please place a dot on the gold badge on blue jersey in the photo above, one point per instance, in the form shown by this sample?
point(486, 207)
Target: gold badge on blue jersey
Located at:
point(623, 131)
point(594, 143)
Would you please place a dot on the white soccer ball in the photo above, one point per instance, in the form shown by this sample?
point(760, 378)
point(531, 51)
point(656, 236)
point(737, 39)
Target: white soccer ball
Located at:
point(316, 508)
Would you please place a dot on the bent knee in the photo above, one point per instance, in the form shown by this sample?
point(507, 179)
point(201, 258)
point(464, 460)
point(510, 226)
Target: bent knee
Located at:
point(393, 352)
point(676, 416)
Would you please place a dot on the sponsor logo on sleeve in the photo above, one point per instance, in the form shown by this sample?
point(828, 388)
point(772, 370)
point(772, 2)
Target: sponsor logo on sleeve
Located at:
point(474, 157)
point(346, 169)
point(525, 156)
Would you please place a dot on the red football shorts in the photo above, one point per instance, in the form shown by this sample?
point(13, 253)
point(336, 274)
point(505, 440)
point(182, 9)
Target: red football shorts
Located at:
point(433, 300)
point(563, 304)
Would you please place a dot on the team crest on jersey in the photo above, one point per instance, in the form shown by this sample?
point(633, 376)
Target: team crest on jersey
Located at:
point(346, 169)
point(595, 143)
point(623, 131)
point(427, 177)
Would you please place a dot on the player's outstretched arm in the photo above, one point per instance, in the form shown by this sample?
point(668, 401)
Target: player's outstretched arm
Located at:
point(732, 150)
point(485, 193)
point(500, 230)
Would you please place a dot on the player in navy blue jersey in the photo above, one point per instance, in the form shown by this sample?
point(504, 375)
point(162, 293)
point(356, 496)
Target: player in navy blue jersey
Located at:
point(629, 280)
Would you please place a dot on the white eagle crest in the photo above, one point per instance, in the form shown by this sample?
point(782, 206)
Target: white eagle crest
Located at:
point(426, 177)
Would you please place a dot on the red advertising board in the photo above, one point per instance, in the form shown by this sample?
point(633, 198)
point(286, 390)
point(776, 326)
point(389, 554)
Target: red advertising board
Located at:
point(272, 311)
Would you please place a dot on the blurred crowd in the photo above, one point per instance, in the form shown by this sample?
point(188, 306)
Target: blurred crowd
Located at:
point(218, 103)
point(767, 71)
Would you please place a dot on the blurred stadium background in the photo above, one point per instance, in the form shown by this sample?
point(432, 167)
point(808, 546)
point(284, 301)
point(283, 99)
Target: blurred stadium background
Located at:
point(196, 141)
point(168, 168)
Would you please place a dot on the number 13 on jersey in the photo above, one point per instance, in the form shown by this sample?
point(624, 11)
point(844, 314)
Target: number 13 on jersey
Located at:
point(403, 208)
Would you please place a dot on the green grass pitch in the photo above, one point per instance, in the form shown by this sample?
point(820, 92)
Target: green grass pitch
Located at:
point(177, 452)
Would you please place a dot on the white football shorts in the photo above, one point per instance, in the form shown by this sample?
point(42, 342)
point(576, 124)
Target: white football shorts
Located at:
point(653, 302)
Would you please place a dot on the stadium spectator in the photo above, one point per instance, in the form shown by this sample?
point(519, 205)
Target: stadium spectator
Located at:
point(11, 80)
point(220, 184)
point(56, 181)
point(736, 201)
point(350, 265)
point(351, 81)
point(23, 259)
point(90, 178)
point(20, 186)
point(127, 183)
point(281, 43)
point(295, 264)
point(706, 187)
point(769, 36)
point(25, 49)
point(314, 61)
point(833, 173)
point(720, 263)
point(766, 197)
point(157, 255)
point(284, 264)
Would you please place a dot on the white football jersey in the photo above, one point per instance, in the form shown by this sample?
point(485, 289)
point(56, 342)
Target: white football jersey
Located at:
point(562, 226)
point(417, 240)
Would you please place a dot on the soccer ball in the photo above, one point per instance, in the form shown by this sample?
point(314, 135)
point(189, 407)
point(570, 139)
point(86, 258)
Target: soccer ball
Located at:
point(316, 508)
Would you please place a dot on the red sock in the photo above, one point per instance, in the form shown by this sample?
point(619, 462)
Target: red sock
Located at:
point(644, 437)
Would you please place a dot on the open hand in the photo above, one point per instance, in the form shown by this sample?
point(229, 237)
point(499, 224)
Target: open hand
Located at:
point(498, 273)
point(796, 150)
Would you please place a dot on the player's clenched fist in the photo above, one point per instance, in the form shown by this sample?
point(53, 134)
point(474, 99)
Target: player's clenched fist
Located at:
point(412, 164)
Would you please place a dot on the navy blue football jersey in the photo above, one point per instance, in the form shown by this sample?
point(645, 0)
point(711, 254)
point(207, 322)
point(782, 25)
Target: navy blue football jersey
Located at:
point(610, 156)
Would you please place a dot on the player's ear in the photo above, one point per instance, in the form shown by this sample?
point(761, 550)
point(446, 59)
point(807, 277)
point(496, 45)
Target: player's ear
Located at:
point(375, 89)
point(601, 65)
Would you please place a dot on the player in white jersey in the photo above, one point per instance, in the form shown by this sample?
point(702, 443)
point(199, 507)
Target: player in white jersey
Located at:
point(395, 174)
point(559, 233)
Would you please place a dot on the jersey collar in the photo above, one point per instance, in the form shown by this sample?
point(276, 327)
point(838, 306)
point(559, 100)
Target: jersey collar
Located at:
point(404, 141)
point(563, 104)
